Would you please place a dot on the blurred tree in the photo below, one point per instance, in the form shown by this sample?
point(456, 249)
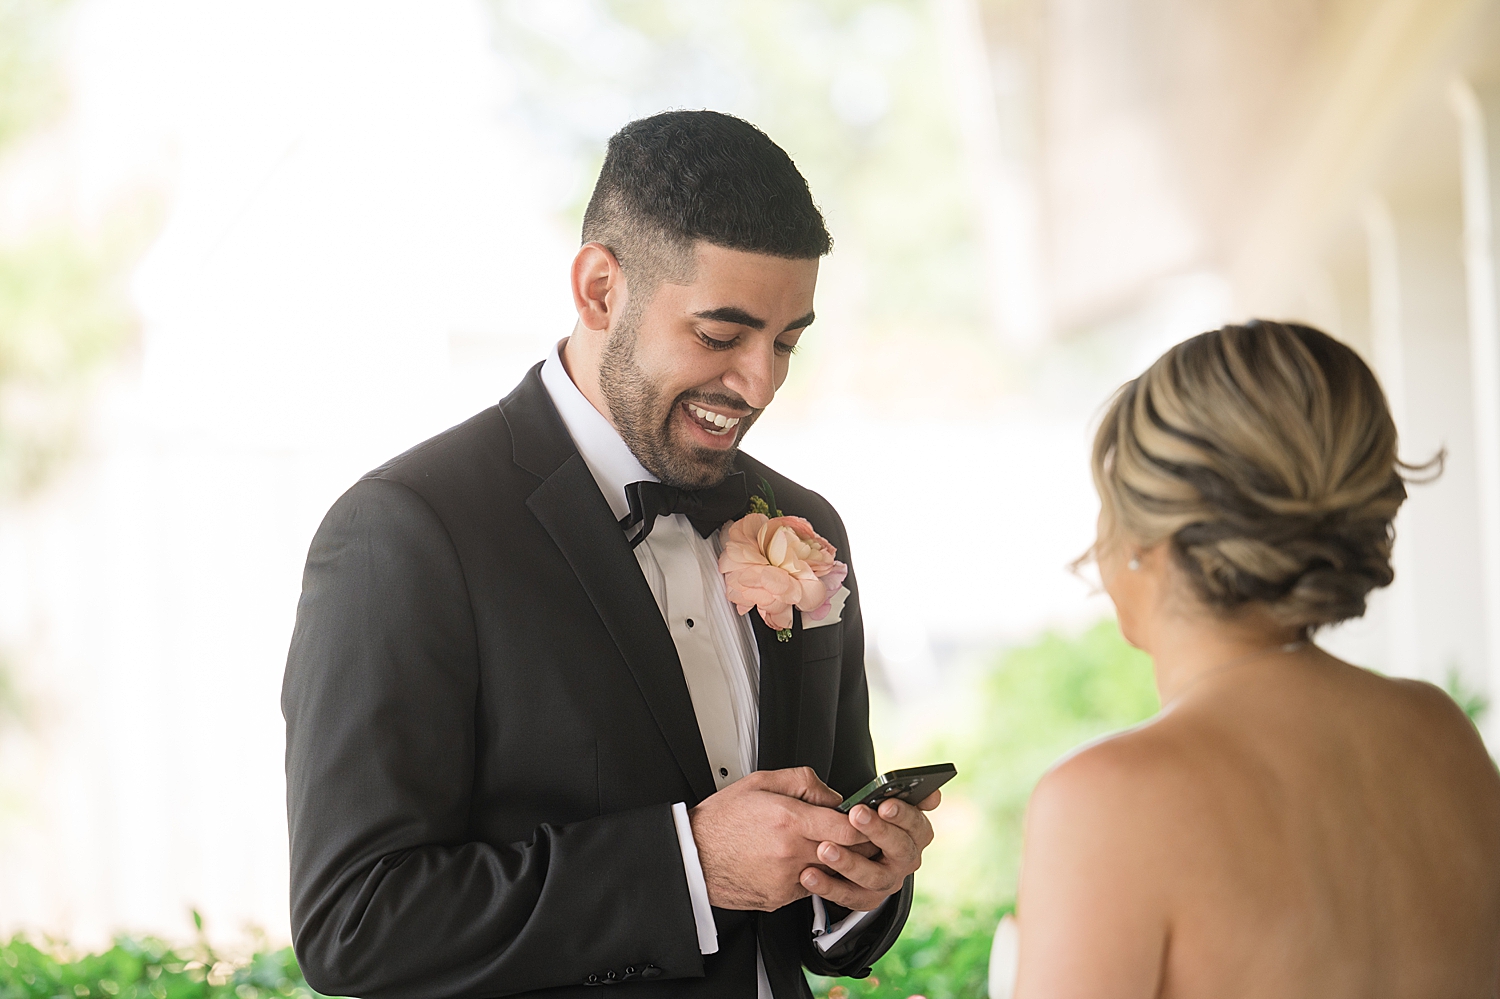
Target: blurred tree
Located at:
point(29, 91)
point(63, 307)
point(1473, 701)
point(1033, 704)
point(854, 90)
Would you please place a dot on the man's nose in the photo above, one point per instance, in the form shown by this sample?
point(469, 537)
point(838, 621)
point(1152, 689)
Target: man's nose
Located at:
point(753, 376)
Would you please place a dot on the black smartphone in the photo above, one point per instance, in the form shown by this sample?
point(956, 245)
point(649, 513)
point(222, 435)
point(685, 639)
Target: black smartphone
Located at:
point(912, 784)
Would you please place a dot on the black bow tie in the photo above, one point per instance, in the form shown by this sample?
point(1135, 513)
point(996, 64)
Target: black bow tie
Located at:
point(707, 509)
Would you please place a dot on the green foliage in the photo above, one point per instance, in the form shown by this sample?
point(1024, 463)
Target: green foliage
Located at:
point(63, 312)
point(63, 308)
point(1030, 706)
point(11, 707)
point(1474, 702)
point(145, 968)
point(30, 89)
point(1026, 707)
point(938, 962)
point(855, 91)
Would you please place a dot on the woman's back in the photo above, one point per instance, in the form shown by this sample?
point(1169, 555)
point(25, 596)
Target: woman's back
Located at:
point(1332, 833)
point(1289, 825)
point(1291, 828)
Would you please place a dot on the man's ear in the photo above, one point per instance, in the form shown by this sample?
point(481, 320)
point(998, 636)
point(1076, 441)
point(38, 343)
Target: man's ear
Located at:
point(599, 291)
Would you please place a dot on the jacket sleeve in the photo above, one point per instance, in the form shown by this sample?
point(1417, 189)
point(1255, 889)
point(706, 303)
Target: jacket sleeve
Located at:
point(391, 896)
point(853, 766)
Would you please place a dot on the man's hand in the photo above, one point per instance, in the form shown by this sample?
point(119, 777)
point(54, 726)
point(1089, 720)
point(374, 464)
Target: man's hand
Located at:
point(848, 878)
point(757, 835)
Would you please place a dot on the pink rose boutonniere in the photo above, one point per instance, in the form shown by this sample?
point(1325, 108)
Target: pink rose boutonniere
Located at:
point(777, 563)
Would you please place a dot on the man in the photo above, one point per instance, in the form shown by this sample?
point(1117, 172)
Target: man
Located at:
point(531, 746)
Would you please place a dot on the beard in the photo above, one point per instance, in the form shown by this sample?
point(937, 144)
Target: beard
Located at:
point(645, 421)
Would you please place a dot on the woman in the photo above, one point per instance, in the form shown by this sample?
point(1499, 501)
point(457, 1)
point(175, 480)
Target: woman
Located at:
point(1289, 825)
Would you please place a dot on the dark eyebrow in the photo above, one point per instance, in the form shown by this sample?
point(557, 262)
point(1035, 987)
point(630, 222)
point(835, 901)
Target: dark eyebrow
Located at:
point(798, 324)
point(732, 314)
point(738, 316)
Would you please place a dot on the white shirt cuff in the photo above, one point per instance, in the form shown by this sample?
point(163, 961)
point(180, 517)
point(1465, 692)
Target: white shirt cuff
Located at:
point(826, 936)
point(703, 913)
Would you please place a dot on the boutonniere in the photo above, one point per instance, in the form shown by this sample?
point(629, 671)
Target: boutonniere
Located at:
point(775, 563)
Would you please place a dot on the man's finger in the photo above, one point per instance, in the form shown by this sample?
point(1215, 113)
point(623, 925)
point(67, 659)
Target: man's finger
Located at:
point(910, 818)
point(799, 782)
point(839, 891)
point(930, 802)
point(892, 837)
point(819, 824)
point(868, 874)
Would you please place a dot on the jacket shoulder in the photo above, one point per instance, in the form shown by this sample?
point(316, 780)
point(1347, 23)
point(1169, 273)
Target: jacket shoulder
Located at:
point(480, 446)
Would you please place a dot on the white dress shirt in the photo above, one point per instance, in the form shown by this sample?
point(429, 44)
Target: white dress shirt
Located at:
point(716, 645)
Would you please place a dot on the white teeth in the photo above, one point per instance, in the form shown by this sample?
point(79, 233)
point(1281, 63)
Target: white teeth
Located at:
point(724, 423)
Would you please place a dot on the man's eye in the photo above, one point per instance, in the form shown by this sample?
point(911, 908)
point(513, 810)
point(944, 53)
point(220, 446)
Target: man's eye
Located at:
point(713, 343)
point(785, 349)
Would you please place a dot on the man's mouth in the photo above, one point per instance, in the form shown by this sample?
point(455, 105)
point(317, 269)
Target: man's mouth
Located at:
point(717, 424)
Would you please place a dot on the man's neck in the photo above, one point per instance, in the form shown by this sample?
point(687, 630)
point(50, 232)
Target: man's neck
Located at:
point(583, 370)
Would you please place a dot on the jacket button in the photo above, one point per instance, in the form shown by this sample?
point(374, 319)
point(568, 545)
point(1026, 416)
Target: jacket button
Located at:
point(609, 976)
point(651, 971)
point(591, 980)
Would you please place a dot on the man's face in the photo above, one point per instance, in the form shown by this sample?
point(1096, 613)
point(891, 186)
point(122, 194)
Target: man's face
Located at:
point(688, 373)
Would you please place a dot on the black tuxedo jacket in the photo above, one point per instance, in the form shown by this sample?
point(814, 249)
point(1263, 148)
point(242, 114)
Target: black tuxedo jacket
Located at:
point(487, 724)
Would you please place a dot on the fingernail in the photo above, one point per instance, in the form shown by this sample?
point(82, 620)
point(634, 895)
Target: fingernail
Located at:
point(830, 853)
point(888, 809)
point(862, 815)
point(809, 877)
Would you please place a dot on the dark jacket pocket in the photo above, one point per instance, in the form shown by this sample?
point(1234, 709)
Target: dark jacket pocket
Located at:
point(826, 642)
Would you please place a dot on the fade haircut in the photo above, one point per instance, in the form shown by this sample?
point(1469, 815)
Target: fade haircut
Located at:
point(683, 176)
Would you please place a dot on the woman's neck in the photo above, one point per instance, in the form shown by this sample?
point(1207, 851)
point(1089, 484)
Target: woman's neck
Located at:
point(1188, 650)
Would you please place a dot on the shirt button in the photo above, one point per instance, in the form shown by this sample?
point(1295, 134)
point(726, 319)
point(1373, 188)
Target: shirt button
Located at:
point(689, 622)
point(723, 771)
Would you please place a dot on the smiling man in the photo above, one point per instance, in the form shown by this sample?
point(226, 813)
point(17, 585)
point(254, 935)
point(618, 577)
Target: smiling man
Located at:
point(531, 745)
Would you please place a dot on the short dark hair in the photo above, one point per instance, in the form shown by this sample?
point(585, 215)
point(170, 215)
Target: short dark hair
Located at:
point(682, 176)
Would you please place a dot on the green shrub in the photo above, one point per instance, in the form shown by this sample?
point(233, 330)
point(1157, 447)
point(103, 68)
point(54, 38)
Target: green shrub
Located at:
point(145, 968)
point(938, 962)
point(1027, 707)
point(1024, 708)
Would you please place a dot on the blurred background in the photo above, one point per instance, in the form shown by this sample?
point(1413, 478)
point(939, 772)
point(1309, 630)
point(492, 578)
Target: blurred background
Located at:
point(250, 250)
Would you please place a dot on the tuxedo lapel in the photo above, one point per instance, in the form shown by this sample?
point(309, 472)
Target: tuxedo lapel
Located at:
point(780, 694)
point(569, 505)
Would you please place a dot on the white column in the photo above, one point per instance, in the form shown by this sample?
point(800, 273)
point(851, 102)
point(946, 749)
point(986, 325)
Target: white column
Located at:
point(1479, 132)
point(1003, 183)
point(1389, 356)
point(1433, 616)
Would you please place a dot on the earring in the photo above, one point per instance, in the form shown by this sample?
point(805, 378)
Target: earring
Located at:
point(1134, 565)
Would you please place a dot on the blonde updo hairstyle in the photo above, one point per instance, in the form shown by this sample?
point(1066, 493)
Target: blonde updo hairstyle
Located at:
point(1265, 456)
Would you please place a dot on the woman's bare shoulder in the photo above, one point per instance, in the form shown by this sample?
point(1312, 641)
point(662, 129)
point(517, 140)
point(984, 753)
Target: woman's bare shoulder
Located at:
point(1124, 777)
point(1431, 721)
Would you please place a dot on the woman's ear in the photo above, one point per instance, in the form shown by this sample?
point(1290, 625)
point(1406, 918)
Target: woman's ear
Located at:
point(599, 290)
